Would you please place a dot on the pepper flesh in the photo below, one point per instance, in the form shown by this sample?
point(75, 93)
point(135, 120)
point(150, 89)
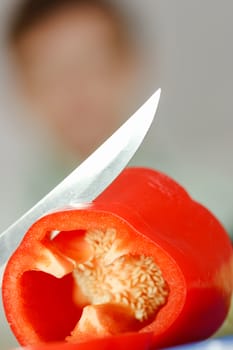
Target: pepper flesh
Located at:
point(148, 220)
point(136, 341)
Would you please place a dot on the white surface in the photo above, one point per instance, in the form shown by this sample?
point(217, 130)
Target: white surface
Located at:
point(191, 49)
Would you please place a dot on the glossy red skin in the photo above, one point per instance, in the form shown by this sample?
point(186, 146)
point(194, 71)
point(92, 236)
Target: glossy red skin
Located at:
point(156, 217)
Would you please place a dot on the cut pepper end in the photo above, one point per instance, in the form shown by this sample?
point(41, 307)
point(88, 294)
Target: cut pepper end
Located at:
point(156, 226)
point(54, 306)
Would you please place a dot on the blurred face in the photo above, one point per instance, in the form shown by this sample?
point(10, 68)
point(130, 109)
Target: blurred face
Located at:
point(76, 75)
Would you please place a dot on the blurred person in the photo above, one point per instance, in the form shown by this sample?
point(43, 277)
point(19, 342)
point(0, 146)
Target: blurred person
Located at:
point(76, 65)
point(77, 70)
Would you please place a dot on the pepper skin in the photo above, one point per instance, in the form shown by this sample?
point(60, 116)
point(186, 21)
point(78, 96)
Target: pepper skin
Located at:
point(143, 257)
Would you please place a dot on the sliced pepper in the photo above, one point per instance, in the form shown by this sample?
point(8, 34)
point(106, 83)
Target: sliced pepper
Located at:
point(143, 257)
point(126, 341)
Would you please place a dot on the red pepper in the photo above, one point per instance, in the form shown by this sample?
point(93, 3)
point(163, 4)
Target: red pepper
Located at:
point(135, 341)
point(143, 257)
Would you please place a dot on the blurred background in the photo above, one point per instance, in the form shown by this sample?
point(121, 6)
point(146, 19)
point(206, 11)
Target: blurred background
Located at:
point(69, 78)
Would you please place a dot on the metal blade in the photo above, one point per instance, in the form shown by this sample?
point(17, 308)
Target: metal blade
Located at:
point(86, 182)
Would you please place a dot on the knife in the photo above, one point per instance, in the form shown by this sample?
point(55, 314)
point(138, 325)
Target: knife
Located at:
point(87, 181)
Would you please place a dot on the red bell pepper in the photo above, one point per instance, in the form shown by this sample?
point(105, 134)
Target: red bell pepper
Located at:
point(126, 341)
point(143, 257)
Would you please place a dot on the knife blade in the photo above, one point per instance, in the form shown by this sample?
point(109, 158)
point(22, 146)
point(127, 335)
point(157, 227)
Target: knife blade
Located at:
point(87, 181)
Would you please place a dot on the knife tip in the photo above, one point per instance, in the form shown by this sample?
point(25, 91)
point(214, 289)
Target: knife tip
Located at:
point(154, 99)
